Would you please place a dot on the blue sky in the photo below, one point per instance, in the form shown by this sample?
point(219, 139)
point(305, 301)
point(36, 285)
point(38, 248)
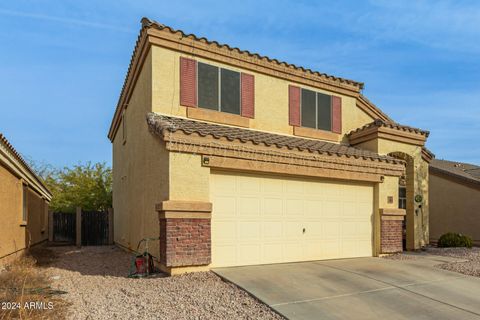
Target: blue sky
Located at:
point(62, 64)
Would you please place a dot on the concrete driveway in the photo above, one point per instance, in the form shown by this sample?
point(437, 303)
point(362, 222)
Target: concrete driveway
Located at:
point(363, 288)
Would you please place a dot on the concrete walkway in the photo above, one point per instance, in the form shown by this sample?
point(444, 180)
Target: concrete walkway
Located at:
point(363, 288)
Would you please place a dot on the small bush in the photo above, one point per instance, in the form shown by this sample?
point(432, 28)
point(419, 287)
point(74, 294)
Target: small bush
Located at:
point(452, 239)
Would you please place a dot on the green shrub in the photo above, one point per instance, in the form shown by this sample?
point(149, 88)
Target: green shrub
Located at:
point(452, 239)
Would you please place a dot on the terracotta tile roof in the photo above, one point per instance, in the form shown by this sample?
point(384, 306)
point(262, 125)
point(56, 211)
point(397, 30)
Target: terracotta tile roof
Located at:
point(161, 123)
point(390, 124)
point(152, 23)
point(465, 171)
point(19, 158)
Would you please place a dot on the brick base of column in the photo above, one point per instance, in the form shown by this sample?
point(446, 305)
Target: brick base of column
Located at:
point(185, 234)
point(185, 242)
point(391, 233)
point(391, 236)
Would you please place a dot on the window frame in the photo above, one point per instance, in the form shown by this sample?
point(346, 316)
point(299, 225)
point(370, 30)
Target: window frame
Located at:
point(219, 77)
point(316, 110)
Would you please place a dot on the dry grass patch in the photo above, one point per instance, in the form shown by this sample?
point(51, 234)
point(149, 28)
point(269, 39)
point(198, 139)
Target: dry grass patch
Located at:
point(25, 291)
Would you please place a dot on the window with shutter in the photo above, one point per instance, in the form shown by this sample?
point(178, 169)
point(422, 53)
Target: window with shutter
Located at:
point(314, 110)
point(225, 90)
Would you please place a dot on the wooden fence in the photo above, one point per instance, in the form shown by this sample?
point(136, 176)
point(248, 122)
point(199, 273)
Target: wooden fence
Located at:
point(87, 228)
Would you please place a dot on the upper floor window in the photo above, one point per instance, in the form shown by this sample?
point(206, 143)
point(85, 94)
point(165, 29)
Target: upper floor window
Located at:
point(215, 88)
point(218, 88)
point(316, 111)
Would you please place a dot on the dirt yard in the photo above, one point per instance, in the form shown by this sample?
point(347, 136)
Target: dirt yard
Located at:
point(98, 288)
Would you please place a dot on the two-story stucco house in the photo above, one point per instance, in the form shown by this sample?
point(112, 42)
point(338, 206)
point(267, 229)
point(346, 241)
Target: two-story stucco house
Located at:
point(233, 158)
point(24, 200)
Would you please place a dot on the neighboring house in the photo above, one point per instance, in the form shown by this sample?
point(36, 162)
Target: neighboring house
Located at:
point(232, 158)
point(24, 200)
point(454, 199)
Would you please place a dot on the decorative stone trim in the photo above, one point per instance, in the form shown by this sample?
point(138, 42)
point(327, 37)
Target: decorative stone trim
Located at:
point(291, 161)
point(218, 117)
point(316, 134)
point(184, 206)
point(392, 212)
point(387, 133)
point(185, 233)
point(286, 169)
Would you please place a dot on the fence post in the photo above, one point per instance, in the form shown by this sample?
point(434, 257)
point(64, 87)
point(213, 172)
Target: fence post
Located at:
point(50, 225)
point(110, 226)
point(79, 226)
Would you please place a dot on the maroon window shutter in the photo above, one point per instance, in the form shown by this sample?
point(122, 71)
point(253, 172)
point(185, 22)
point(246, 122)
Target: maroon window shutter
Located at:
point(188, 82)
point(248, 95)
point(294, 105)
point(336, 114)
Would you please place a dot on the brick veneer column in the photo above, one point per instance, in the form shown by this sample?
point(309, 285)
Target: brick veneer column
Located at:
point(185, 233)
point(391, 230)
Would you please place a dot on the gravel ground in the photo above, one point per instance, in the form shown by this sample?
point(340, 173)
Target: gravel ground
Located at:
point(470, 267)
point(97, 286)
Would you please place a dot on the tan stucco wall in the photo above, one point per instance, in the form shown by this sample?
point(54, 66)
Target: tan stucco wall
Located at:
point(12, 235)
point(271, 95)
point(417, 217)
point(454, 207)
point(188, 179)
point(140, 171)
point(37, 228)
point(388, 188)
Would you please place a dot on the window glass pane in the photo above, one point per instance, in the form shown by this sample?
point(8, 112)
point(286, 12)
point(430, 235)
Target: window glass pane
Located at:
point(308, 109)
point(230, 91)
point(402, 192)
point(207, 86)
point(324, 111)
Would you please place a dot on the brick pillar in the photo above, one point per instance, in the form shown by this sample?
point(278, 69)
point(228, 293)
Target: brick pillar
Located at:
point(185, 234)
point(391, 230)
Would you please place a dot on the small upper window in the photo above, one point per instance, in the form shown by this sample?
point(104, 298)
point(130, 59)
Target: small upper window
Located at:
point(25, 205)
point(218, 89)
point(316, 110)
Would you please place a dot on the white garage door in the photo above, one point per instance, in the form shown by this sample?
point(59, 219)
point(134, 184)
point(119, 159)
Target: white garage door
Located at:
point(260, 219)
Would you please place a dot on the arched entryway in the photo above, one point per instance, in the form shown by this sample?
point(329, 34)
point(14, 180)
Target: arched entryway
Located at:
point(406, 194)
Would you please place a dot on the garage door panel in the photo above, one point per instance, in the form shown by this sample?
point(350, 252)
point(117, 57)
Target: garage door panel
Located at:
point(227, 252)
point(294, 208)
point(260, 219)
point(224, 206)
point(331, 230)
point(273, 230)
point(249, 253)
point(247, 186)
point(293, 229)
point(272, 207)
point(272, 186)
point(294, 187)
point(273, 252)
point(248, 206)
point(248, 231)
point(330, 249)
point(332, 209)
point(313, 209)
